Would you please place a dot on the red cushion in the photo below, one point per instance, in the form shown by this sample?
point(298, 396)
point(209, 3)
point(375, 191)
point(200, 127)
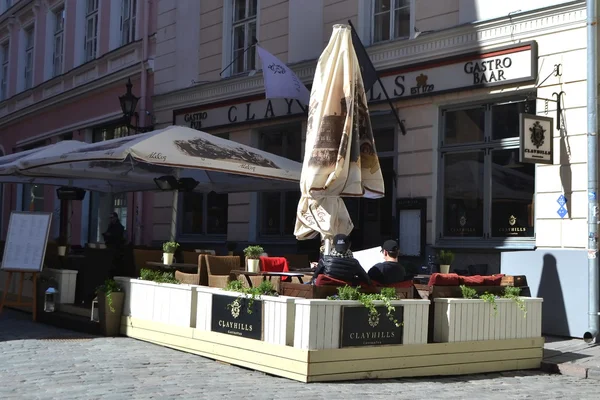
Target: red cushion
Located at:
point(476, 280)
point(274, 264)
point(325, 280)
point(444, 280)
point(493, 280)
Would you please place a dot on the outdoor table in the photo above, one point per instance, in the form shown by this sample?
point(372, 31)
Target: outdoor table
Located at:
point(266, 274)
point(173, 266)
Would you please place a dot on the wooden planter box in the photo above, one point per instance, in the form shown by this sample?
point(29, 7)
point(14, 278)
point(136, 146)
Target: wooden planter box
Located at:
point(319, 322)
point(160, 302)
point(277, 314)
point(67, 281)
point(462, 320)
point(322, 292)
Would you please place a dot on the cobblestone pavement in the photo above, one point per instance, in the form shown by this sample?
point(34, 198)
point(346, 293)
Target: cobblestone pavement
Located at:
point(42, 362)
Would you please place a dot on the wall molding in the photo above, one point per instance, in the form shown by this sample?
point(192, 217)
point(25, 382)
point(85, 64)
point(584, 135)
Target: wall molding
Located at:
point(396, 54)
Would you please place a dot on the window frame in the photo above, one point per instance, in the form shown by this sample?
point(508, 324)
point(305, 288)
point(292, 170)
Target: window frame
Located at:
point(58, 59)
point(91, 14)
point(29, 63)
point(228, 38)
point(488, 146)
point(5, 54)
point(131, 21)
point(372, 14)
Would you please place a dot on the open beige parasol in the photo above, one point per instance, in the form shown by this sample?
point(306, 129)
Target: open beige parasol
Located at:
point(340, 158)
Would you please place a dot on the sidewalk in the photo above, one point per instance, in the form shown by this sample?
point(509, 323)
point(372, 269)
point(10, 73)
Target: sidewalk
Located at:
point(573, 357)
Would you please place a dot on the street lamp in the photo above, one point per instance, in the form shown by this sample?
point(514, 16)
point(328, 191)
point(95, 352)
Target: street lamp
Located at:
point(128, 105)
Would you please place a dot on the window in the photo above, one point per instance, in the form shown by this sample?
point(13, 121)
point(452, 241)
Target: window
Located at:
point(244, 31)
point(6, 4)
point(128, 14)
point(28, 71)
point(278, 209)
point(205, 213)
point(487, 192)
point(4, 53)
point(59, 29)
point(109, 132)
point(91, 30)
point(391, 19)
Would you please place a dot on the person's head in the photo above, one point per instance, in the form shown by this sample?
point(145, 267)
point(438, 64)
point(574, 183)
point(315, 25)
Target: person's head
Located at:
point(390, 250)
point(114, 218)
point(341, 243)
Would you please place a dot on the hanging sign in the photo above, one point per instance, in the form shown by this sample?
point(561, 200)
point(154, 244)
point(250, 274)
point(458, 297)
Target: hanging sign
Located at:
point(537, 136)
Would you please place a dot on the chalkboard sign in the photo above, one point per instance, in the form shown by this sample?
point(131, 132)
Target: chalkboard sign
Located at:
point(26, 241)
point(359, 328)
point(230, 315)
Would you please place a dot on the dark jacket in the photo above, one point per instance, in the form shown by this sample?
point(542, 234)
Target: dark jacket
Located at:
point(114, 235)
point(344, 269)
point(387, 272)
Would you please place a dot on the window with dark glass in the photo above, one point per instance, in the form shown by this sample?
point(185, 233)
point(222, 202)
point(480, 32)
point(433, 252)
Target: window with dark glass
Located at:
point(486, 192)
point(278, 209)
point(205, 213)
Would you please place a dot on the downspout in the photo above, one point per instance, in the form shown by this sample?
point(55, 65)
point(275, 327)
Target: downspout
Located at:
point(139, 202)
point(592, 164)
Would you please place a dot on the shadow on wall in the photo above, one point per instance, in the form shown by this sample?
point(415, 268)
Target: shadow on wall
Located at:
point(566, 175)
point(553, 309)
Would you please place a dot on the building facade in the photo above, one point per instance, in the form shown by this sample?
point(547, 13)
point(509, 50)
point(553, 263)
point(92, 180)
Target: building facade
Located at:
point(64, 65)
point(459, 73)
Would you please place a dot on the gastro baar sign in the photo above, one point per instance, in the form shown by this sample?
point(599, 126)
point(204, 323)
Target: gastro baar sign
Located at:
point(360, 328)
point(230, 315)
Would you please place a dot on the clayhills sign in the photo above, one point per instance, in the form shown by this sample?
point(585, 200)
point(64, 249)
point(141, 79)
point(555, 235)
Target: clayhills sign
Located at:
point(503, 66)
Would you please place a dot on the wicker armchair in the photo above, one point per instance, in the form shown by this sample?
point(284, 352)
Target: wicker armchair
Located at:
point(198, 278)
point(297, 261)
point(219, 269)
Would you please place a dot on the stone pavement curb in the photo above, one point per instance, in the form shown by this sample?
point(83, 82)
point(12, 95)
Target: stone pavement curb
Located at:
point(570, 370)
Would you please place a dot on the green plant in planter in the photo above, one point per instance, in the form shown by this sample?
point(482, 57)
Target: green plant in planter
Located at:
point(253, 252)
point(158, 276)
point(386, 295)
point(468, 293)
point(250, 293)
point(445, 257)
point(170, 247)
point(490, 298)
point(511, 292)
point(110, 286)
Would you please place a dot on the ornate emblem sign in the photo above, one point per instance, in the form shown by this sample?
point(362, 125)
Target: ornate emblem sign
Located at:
point(536, 139)
point(512, 220)
point(230, 315)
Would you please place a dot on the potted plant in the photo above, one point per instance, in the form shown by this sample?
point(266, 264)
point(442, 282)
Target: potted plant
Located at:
point(110, 306)
point(253, 254)
point(61, 246)
point(231, 247)
point(445, 258)
point(169, 249)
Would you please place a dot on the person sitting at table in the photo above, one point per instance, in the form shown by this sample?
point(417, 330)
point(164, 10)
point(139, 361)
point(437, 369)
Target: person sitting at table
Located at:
point(115, 233)
point(340, 264)
point(389, 271)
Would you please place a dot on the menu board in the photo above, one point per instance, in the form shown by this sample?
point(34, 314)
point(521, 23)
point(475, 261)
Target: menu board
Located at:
point(26, 241)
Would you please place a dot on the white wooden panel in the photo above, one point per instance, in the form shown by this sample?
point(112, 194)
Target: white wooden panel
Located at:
point(462, 320)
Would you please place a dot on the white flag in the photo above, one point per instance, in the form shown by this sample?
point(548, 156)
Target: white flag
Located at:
point(280, 81)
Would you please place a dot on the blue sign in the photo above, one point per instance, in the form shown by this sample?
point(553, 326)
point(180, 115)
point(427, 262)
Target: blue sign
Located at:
point(591, 196)
point(562, 200)
point(562, 212)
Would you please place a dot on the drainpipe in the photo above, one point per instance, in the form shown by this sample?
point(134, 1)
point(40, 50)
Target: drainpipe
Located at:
point(139, 201)
point(592, 164)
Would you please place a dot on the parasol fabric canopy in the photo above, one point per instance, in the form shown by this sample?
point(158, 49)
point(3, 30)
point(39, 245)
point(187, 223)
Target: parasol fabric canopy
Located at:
point(340, 158)
point(11, 164)
point(218, 164)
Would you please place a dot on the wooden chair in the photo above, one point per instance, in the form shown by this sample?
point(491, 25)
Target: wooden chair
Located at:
point(141, 256)
point(201, 276)
point(219, 269)
point(297, 261)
